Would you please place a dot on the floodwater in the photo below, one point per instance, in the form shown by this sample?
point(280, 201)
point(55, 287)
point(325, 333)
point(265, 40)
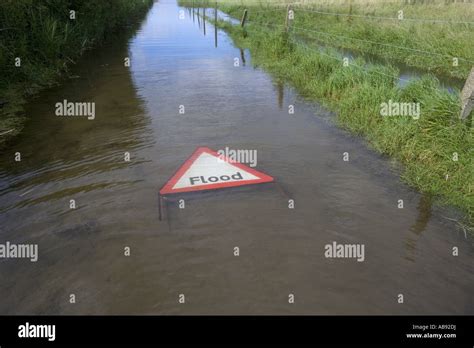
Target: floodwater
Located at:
point(408, 251)
point(406, 73)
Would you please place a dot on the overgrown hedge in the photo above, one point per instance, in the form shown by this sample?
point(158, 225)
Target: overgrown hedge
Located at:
point(42, 34)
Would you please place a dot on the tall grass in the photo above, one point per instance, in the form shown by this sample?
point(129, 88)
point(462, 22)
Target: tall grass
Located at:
point(45, 38)
point(414, 41)
point(426, 147)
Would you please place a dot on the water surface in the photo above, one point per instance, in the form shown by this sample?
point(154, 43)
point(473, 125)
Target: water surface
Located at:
point(81, 251)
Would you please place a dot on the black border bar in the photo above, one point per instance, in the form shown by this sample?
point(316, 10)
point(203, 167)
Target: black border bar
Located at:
point(140, 330)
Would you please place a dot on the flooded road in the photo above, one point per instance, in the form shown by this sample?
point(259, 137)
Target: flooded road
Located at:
point(175, 67)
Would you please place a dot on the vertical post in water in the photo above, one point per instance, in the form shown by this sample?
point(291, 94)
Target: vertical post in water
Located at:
point(193, 10)
point(199, 20)
point(160, 204)
point(204, 19)
point(215, 25)
point(244, 18)
point(242, 56)
point(467, 96)
point(287, 19)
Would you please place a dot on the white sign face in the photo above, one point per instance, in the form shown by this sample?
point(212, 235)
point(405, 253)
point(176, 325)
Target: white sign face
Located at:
point(207, 170)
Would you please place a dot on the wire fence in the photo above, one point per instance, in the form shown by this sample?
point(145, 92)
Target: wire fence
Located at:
point(307, 6)
point(399, 19)
point(384, 44)
point(419, 52)
point(363, 68)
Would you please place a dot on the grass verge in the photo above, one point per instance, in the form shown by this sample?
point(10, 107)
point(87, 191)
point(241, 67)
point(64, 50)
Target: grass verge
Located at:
point(373, 28)
point(41, 39)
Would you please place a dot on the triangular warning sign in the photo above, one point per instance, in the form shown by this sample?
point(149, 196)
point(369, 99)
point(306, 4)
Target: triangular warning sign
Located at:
point(208, 170)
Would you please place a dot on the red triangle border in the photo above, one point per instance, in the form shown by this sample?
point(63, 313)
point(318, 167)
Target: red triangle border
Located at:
point(168, 187)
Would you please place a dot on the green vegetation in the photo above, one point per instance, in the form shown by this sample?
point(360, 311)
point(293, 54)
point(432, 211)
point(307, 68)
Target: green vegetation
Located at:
point(47, 40)
point(427, 147)
point(419, 43)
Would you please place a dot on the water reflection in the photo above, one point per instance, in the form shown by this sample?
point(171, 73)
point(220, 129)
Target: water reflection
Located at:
point(424, 214)
point(242, 56)
point(422, 220)
point(204, 19)
point(241, 107)
point(61, 155)
point(281, 94)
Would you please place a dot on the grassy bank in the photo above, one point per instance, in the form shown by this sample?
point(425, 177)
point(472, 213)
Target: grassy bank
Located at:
point(436, 149)
point(47, 40)
point(429, 37)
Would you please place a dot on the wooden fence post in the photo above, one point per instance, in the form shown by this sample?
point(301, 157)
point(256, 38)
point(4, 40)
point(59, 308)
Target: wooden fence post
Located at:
point(244, 18)
point(467, 96)
point(215, 25)
point(349, 18)
point(287, 19)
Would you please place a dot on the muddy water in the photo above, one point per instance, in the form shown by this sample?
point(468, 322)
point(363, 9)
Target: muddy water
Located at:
point(81, 251)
